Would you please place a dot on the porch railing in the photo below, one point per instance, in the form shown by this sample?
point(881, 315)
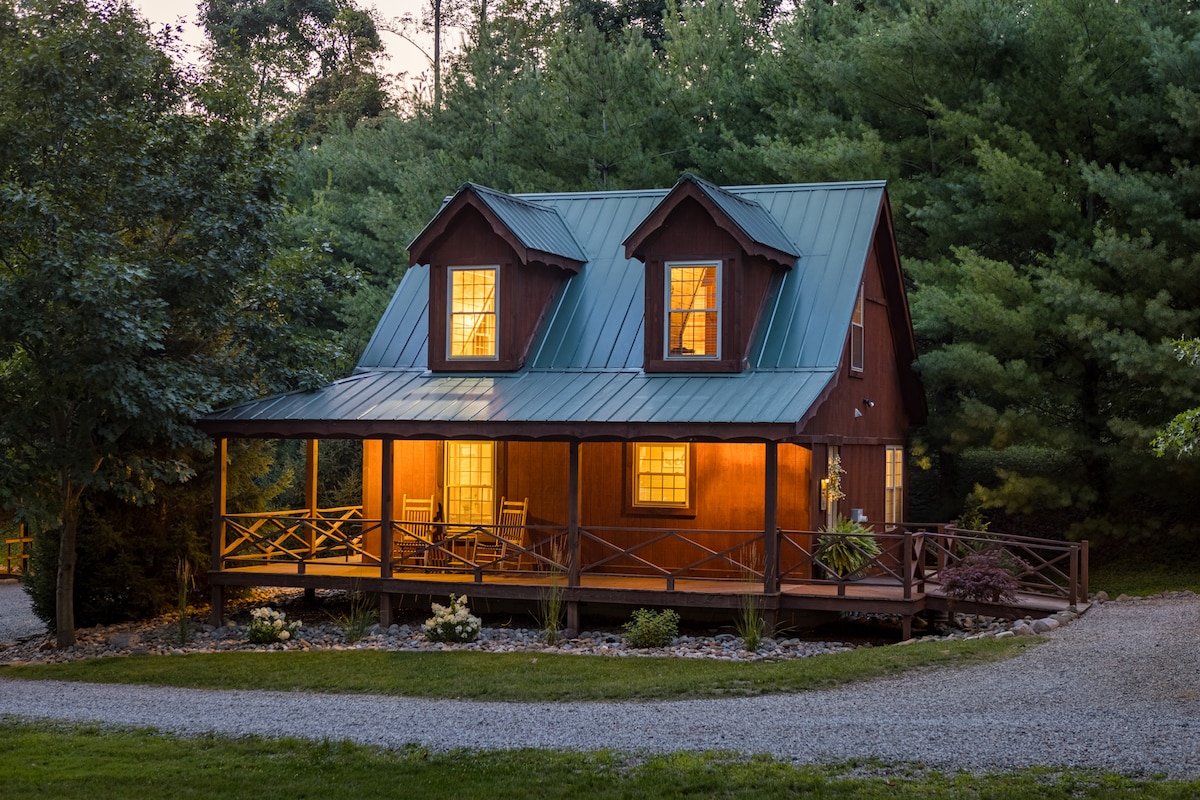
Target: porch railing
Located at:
point(695, 554)
point(295, 536)
point(910, 555)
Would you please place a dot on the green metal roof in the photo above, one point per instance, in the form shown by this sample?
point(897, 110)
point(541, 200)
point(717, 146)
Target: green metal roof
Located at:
point(583, 377)
point(536, 225)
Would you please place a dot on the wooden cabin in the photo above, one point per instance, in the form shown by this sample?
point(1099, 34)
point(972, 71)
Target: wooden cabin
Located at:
point(650, 395)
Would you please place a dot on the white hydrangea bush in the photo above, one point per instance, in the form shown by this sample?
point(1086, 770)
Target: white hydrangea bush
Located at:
point(268, 626)
point(452, 623)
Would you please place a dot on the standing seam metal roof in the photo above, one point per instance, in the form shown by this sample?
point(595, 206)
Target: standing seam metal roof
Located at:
point(585, 365)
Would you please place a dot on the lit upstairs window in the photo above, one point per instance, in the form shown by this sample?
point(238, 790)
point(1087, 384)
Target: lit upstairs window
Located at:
point(693, 311)
point(473, 313)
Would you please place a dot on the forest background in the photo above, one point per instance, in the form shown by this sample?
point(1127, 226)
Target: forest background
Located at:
point(1040, 158)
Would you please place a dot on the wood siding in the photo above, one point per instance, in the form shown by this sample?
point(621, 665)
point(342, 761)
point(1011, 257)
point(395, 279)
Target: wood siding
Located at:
point(689, 234)
point(729, 481)
point(524, 293)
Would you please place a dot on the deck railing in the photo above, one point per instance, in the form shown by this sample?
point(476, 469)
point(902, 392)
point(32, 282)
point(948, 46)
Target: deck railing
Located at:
point(910, 555)
point(694, 553)
point(297, 536)
point(1041, 566)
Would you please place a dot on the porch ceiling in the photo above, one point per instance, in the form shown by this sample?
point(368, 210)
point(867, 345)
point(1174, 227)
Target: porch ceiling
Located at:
point(590, 404)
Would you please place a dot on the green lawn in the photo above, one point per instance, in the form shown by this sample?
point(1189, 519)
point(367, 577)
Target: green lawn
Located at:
point(520, 677)
point(93, 763)
point(1119, 578)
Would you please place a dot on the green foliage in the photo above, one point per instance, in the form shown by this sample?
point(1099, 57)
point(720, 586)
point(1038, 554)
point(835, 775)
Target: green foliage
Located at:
point(62, 760)
point(143, 283)
point(1181, 436)
point(268, 626)
point(648, 628)
point(516, 677)
point(357, 619)
point(452, 623)
point(846, 547)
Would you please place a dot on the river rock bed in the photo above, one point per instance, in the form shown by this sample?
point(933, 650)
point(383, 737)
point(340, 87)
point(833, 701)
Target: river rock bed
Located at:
point(161, 636)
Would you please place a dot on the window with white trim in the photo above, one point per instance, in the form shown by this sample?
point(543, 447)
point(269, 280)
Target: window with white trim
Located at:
point(661, 475)
point(893, 484)
point(693, 310)
point(857, 335)
point(470, 488)
point(473, 313)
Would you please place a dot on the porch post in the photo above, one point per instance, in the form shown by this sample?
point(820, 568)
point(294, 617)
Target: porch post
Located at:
point(310, 502)
point(770, 533)
point(216, 614)
point(771, 518)
point(387, 513)
point(310, 491)
point(573, 564)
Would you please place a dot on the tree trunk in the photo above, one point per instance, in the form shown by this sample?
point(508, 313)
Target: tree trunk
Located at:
point(437, 55)
point(64, 594)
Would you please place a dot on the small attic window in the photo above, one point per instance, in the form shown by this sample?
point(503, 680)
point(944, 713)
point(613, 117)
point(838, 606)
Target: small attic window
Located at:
point(693, 310)
point(857, 335)
point(473, 313)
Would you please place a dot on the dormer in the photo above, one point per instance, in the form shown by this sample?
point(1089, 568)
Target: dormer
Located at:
point(495, 264)
point(709, 257)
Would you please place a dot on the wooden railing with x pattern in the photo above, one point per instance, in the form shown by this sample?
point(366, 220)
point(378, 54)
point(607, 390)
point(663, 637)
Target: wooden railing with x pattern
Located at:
point(296, 536)
point(696, 554)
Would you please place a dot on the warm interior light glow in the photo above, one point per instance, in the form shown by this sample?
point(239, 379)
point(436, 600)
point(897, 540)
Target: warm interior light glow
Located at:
point(661, 475)
point(692, 311)
point(470, 483)
point(473, 313)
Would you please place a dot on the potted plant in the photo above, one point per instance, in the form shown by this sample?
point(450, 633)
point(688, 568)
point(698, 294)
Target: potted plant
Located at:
point(845, 548)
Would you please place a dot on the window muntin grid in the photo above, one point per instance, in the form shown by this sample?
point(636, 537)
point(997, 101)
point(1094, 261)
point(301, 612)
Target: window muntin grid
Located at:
point(893, 484)
point(693, 311)
point(661, 474)
point(470, 482)
point(473, 313)
point(857, 335)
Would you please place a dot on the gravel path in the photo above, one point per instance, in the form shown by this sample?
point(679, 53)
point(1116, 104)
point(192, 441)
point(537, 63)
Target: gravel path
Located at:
point(1118, 690)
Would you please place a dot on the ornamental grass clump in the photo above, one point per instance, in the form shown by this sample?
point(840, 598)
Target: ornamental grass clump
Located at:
point(452, 623)
point(268, 626)
point(983, 577)
point(651, 629)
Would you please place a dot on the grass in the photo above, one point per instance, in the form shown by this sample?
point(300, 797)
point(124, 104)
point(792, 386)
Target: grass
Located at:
point(95, 763)
point(518, 677)
point(1119, 578)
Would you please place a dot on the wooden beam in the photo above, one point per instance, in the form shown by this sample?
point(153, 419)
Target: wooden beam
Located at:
point(387, 513)
point(216, 613)
point(573, 556)
point(771, 518)
point(310, 491)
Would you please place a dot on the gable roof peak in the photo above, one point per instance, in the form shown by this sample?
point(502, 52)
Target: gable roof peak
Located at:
point(535, 230)
point(755, 229)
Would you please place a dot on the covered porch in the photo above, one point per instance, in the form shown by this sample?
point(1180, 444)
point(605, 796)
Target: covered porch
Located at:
point(666, 562)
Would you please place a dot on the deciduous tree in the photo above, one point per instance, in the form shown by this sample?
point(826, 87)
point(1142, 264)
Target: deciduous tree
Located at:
point(140, 280)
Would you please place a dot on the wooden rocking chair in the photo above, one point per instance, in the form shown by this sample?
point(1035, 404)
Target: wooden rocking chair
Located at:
point(414, 532)
point(505, 542)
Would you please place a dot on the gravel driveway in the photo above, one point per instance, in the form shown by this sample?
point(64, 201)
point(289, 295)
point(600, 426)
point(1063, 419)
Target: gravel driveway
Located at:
point(1117, 690)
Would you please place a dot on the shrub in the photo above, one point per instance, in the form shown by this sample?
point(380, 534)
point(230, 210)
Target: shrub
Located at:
point(982, 577)
point(846, 547)
point(651, 629)
point(452, 623)
point(268, 626)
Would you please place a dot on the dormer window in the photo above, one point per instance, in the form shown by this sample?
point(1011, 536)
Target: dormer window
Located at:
point(693, 310)
point(473, 309)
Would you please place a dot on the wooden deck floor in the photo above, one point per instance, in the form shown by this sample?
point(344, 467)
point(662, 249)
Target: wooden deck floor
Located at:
point(869, 595)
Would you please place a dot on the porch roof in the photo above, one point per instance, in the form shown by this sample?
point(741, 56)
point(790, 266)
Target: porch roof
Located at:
point(585, 404)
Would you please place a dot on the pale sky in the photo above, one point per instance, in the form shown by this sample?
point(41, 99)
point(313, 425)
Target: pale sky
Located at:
point(405, 57)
